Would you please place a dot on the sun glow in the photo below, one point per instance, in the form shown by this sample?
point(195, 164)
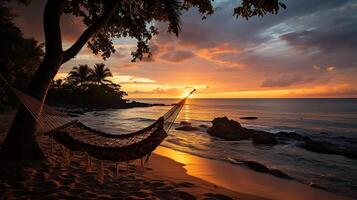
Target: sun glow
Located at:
point(186, 93)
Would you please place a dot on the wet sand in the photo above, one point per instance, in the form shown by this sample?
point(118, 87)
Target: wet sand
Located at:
point(243, 180)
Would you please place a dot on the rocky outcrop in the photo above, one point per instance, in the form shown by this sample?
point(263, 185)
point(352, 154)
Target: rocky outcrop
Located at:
point(262, 168)
point(228, 129)
point(291, 136)
point(264, 138)
point(185, 123)
point(187, 128)
point(329, 148)
point(249, 118)
point(256, 166)
point(203, 126)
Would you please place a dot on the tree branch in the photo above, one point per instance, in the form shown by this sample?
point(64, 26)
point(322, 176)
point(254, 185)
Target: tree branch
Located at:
point(90, 31)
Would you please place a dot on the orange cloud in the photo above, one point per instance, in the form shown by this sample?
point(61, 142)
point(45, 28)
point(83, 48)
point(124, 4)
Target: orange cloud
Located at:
point(216, 55)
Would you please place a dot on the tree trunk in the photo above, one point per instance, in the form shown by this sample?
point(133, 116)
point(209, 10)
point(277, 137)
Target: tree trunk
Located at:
point(20, 142)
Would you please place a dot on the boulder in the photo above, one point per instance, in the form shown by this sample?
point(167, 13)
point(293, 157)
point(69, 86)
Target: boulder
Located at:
point(256, 166)
point(264, 138)
point(279, 173)
point(187, 128)
point(228, 129)
point(291, 135)
point(322, 147)
point(249, 118)
point(329, 148)
point(203, 126)
point(185, 123)
point(262, 168)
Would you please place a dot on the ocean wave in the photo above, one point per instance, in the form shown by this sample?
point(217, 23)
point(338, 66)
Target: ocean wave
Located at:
point(141, 119)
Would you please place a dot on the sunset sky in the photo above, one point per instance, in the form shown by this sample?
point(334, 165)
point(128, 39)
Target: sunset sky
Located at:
point(308, 50)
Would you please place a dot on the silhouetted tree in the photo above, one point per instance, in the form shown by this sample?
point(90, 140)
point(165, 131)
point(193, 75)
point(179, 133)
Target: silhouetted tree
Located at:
point(80, 75)
point(57, 84)
point(100, 73)
point(104, 20)
point(19, 56)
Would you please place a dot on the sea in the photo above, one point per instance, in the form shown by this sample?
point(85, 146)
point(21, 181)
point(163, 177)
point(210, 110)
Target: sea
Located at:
point(332, 120)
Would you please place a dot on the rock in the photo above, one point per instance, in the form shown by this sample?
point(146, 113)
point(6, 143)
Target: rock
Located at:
point(291, 135)
point(228, 129)
point(329, 148)
point(256, 166)
point(264, 138)
point(185, 123)
point(187, 128)
point(317, 186)
point(322, 147)
point(351, 154)
point(249, 118)
point(262, 168)
point(279, 173)
point(203, 126)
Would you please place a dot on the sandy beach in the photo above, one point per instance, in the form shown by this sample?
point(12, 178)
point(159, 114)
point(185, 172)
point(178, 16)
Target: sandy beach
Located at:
point(162, 178)
point(168, 175)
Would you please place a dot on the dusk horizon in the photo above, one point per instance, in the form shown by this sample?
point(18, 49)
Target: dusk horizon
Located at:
point(178, 99)
point(298, 53)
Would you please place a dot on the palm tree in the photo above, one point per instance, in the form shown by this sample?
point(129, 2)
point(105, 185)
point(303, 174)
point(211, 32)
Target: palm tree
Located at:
point(80, 75)
point(57, 83)
point(100, 73)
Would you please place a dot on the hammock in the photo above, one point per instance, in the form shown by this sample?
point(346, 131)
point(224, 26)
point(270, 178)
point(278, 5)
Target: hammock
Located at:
point(76, 136)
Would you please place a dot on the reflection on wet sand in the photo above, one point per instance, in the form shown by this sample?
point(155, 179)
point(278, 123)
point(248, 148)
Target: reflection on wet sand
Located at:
point(243, 180)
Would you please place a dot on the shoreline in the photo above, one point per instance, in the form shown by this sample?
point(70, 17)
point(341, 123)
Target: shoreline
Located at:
point(243, 180)
point(163, 178)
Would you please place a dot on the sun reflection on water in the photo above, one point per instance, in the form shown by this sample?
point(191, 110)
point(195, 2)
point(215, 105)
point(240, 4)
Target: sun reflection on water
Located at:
point(186, 113)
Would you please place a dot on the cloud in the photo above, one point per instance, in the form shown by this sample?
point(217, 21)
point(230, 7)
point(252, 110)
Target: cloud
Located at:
point(301, 45)
point(177, 55)
point(30, 21)
point(287, 80)
point(330, 68)
point(127, 79)
point(316, 67)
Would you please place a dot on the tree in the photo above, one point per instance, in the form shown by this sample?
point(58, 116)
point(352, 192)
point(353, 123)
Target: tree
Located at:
point(104, 20)
point(16, 52)
point(80, 75)
point(100, 73)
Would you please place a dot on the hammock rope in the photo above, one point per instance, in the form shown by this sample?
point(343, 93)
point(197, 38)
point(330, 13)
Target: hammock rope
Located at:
point(76, 136)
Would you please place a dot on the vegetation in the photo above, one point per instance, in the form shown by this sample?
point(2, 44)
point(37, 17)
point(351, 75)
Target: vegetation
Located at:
point(19, 56)
point(88, 88)
point(104, 21)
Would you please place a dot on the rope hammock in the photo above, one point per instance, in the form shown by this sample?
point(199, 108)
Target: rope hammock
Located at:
point(76, 136)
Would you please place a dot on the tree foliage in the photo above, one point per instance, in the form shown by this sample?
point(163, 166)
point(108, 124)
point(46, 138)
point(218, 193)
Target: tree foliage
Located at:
point(19, 56)
point(88, 88)
point(79, 75)
point(100, 73)
point(104, 20)
point(136, 19)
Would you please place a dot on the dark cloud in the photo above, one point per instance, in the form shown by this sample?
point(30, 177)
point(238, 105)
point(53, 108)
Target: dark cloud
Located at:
point(177, 56)
point(29, 19)
point(287, 80)
point(341, 35)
